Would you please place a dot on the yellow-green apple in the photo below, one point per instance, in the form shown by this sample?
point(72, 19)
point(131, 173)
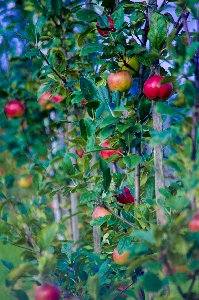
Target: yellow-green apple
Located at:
point(121, 259)
point(125, 197)
point(25, 182)
point(132, 62)
point(14, 109)
point(154, 90)
point(100, 212)
point(48, 292)
point(120, 81)
point(57, 98)
point(106, 31)
point(46, 101)
point(105, 154)
point(194, 223)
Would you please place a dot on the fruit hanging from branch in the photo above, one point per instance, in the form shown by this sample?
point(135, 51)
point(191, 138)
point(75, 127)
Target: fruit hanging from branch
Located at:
point(46, 101)
point(14, 109)
point(125, 197)
point(58, 98)
point(120, 81)
point(121, 259)
point(105, 154)
point(194, 223)
point(132, 62)
point(48, 292)
point(106, 31)
point(154, 90)
point(100, 212)
point(25, 182)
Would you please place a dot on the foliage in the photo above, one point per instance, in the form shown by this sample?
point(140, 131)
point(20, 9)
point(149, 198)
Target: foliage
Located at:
point(53, 46)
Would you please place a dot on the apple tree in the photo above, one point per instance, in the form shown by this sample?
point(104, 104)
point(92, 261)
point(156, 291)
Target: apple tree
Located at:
point(99, 140)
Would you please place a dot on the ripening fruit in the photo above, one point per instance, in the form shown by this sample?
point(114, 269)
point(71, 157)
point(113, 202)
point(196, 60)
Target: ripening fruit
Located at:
point(57, 98)
point(46, 101)
point(47, 292)
point(122, 288)
point(25, 182)
point(174, 269)
point(105, 154)
point(125, 197)
point(154, 90)
point(100, 212)
point(133, 62)
point(194, 223)
point(120, 81)
point(83, 102)
point(80, 154)
point(14, 109)
point(121, 259)
point(106, 31)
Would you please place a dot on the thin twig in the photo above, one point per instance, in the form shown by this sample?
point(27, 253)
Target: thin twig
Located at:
point(122, 291)
point(186, 29)
point(120, 218)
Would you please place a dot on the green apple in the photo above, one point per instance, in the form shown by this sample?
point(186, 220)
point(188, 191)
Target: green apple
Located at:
point(133, 62)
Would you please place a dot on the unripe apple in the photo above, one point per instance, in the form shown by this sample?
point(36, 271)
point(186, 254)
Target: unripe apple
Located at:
point(14, 109)
point(105, 154)
point(194, 223)
point(48, 292)
point(57, 98)
point(100, 212)
point(121, 259)
point(120, 81)
point(125, 197)
point(46, 101)
point(106, 31)
point(25, 182)
point(133, 62)
point(80, 154)
point(154, 90)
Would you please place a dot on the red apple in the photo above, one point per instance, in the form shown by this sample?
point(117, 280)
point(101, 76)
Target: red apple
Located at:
point(46, 101)
point(80, 154)
point(154, 90)
point(120, 81)
point(106, 31)
point(83, 102)
point(14, 109)
point(100, 212)
point(48, 292)
point(122, 288)
point(125, 197)
point(121, 259)
point(105, 154)
point(194, 223)
point(57, 98)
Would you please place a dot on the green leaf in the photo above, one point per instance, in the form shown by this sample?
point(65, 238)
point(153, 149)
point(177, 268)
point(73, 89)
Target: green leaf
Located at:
point(144, 107)
point(139, 262)
point(118, 17)
point(158, 31)
point(132, 160)
point(87, 128)
point(9, 265)
point(19, 294)
point(144, 235)
point(40, 23)
point(189, 92)
point(151, 282)
point(30, 31)
point(36, 180)
point(86, 15)
point(88, 89)
point(81, 38)
point(32, 52)
point(123, 243)
point(93, 284)
point(20, 270)
point(165, 109)
point(47, 235)
point(67, 249)
point(106, 174)
point(91, 48)
point(56, 6)
point(150, 188)
point(68, 165)
point(94, 104)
